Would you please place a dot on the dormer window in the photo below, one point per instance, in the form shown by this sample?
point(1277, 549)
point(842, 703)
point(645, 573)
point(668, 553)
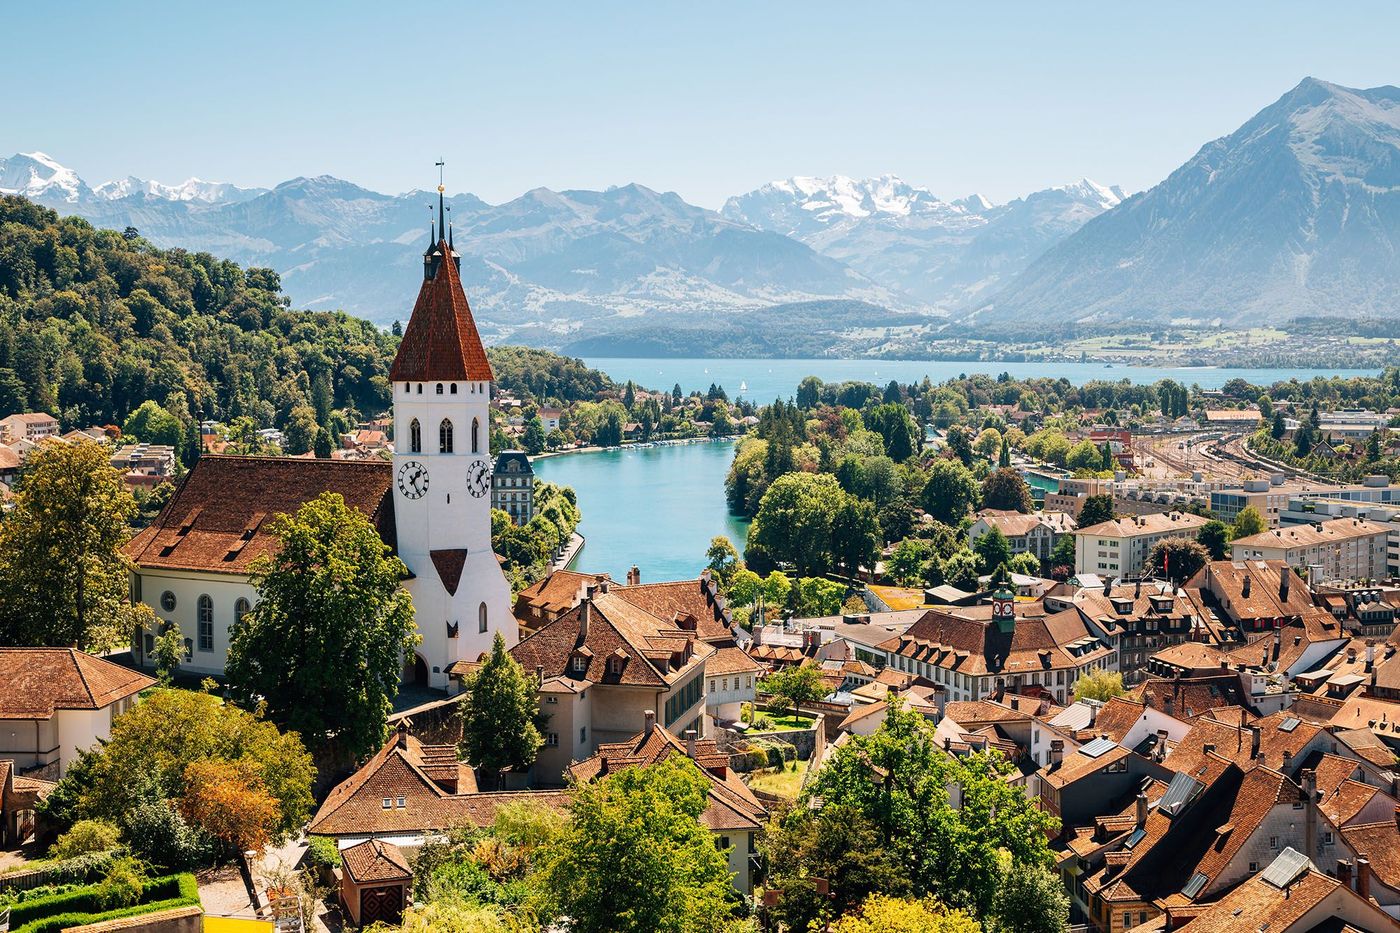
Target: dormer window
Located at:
point(387, 803)
point(580, 664)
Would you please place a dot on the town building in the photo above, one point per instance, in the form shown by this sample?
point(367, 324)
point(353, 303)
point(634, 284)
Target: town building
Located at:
point(549, 416)
point(1071, 492)
point(431, 504)
point(1306, 511)
point(1034, 533)
point(1270, 497)
point(1137, 619)
point(602, 664)
point(979, 650)
point(145, 465)
point(1119, 547)
point(56, 702)
point(513, 486)
point(29, 426)
point(1340, 549)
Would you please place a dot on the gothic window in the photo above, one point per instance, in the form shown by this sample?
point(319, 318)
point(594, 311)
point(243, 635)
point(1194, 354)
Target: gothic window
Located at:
point(415, 437)
point(476, 436)
point(481, 618)
point(454, 388)
point(240, 609)
point(206, 623)
point(445, 437)
point(439, 388)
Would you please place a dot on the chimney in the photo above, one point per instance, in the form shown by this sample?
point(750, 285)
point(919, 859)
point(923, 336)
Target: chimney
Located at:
point(539, 674)
point(634, 576)
point(1363, 877)
point(648, 721)
point(1169, 705)
point(1208, 748)
point(1254, 737)
point(941, 698)
point(1278, 639)
point(1284, 576)
point(1057, 752)
point(1137, 591)
point(1141, 809)
point(1287, 757)
point(1370, 656)
point(585, 615)
point(404, 729)
point(1244, 590)
point(1161, 750)
point(689, 742)
point(1344, 872)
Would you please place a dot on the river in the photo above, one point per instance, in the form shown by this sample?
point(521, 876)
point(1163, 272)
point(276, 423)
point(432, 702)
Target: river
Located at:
point(762, 380)
point(656, 507)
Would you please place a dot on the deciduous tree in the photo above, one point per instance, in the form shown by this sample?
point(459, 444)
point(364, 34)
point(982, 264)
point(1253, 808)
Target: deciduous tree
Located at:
point(324, 647)
point(500, 728)
point(1248, 522)
point(1096, 509)
point(1214, 537)
point(1176, 558)
point(949, 492)
point(1099, 685)
point(1005, 489)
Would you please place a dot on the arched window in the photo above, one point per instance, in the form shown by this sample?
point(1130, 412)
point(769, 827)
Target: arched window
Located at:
point(439, 388)
point(206, 623)
point(445, 437)
point(481, 618)
point(241, 609)
point(476, 436)
point(454, 388)
point(415, 437)
point(420, 388)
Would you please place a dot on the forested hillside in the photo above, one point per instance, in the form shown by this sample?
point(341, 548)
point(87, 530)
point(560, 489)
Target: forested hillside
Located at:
point(95, 323)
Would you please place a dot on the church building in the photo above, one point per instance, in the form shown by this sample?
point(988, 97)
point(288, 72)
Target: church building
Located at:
point(432, 504)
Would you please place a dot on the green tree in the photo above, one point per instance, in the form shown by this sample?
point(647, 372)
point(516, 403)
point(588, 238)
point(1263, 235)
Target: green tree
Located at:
point(960, 443)
point(322, 445)
point(1248, 522)
point(949, 492)
point(1177, 558)
point(882, 914)
point(154, 745)
point(901, 780)
point(1063, 553)
point(1004, 458)
point(1099, 685)
point(499, 713)
point(325, 645)
point(1024, 563)
point(794, 686)
point(908, 562)
point(1214, 537)
point(1084, 456)
point(169, 652)
point(1278, 427)
point(533, 440)
point(745, 587)
point(1005, 489)
point(1031, 899)
point(808, 392)
point(992, 550)
point(299, 435)
point(896, 426)
point(1096, 509)
point(813, 597)
point(794, 522)
point(722, 559)
point(634, 858)
point(154, 425)
point(960, 570)
point(988, 443)
point(855, 535)
point(63, 577)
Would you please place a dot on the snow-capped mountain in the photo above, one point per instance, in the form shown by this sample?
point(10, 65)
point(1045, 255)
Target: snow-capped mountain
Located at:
point(544, 261)
point(1295, 213)
point(193, 189)
point(39, 177)
point(944, 253)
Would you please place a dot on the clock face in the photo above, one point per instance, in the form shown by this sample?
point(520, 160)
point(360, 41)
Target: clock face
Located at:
point(479, 479)
point(413, 479)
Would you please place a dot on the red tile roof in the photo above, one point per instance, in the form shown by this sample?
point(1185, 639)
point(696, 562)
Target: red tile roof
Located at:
point(375, 860)
point(441, 342)
point(38, 681)
point(218, 520)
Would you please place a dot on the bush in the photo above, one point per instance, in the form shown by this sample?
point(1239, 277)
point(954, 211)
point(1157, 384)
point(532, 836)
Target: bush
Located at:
point(124, 883)
point(85, 837)
point(84, 906)
point(159, 834)
point(322, 852)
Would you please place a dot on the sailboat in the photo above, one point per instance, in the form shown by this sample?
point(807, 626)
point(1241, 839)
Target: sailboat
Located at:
point(743, 386)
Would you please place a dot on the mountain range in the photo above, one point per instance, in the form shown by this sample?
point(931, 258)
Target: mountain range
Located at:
point(1297, 213)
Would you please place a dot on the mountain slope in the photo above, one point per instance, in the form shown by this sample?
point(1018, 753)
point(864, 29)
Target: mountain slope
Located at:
point(548, 260)
point(1295, 213)
point(944, 253)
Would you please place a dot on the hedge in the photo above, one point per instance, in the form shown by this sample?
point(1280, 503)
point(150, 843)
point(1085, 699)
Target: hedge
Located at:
point(81, 907)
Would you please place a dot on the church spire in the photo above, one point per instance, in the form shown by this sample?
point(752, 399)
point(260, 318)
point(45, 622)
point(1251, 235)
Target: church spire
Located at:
point(442, 222)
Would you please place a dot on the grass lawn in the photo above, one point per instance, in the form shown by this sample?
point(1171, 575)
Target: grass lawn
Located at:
point(784, 722)
point(785, 783)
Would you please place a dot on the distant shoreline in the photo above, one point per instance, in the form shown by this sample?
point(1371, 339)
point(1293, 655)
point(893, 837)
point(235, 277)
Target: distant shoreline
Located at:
point(636, 445)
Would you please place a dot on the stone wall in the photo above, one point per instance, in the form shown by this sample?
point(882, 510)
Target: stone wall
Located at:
point(175, 920)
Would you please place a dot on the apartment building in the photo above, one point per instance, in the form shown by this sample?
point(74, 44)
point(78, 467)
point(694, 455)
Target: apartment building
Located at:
point(1119, 547)
point(1341, 549)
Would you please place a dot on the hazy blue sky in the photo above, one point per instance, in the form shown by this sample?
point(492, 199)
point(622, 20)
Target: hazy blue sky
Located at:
point(706, 99)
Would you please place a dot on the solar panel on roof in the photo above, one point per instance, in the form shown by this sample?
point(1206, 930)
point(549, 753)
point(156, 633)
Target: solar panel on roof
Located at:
point(1286, 868)
point(1289, 724)
point(1194, 886)
point(1097, 747)
point(1181, 791)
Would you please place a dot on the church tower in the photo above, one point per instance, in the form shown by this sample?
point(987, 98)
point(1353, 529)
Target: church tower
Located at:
point(442, 471)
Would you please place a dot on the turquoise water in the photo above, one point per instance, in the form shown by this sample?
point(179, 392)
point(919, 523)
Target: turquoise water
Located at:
point(767, 379)
point(656, 507)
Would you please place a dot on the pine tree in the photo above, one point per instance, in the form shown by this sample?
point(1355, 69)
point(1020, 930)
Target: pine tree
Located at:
point(500, 718)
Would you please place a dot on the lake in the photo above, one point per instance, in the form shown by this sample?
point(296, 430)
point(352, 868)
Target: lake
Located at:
point(767, 379)
point(656, 507)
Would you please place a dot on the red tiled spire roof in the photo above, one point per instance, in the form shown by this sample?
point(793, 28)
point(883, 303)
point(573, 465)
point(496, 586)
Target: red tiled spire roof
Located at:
point(440, 343)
